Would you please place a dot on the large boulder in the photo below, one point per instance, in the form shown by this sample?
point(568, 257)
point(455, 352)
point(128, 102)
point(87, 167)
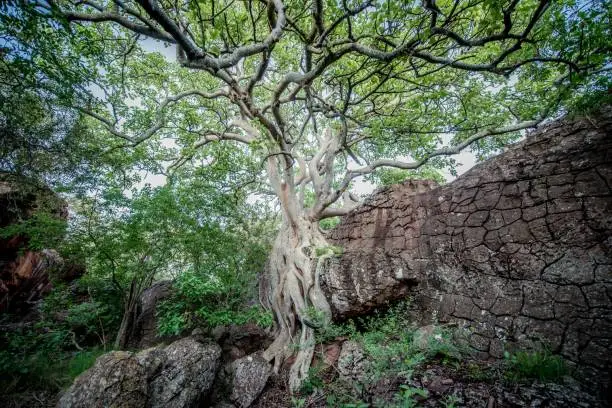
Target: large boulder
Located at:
point(117, 379)
point(177, 376)
point(145, 333)
point(517, 250)
point(185, 375)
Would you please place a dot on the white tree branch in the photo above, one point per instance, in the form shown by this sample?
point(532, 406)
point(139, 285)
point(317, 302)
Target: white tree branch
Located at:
point(349, 204)
point(444, 151)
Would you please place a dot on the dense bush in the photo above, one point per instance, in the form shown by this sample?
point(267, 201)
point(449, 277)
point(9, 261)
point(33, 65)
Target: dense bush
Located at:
point(51, 351)
point(210, 300)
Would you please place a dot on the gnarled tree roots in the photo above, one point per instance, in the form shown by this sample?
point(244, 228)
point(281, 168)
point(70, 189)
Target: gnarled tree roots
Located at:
point(296, 298)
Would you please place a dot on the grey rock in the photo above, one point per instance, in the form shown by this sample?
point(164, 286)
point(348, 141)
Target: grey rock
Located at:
point(187, 373)
point(177, 376)
point(146, 322)
point(352, 362)
point(250, 375)
point(117, 379)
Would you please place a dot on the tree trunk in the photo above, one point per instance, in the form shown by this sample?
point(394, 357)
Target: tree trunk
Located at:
point(128, 319)
point(295, 295)
point(124, 329)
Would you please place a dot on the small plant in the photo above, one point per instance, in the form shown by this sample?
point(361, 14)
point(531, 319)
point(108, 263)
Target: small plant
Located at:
point(340, 395)
point(450, 401)
point(540, 365)
point(315, 317)
point(406, 398)
point(441, 345)
point(478, 372)
point(314, 381)
point(298, 402)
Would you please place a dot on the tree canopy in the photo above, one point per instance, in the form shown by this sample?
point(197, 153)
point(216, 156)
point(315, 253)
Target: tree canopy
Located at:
point(389, 79)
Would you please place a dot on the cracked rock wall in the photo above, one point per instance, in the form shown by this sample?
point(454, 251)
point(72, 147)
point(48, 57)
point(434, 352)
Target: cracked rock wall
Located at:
point(517, 249)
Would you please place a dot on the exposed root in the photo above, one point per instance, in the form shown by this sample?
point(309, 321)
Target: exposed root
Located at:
point(295, 296)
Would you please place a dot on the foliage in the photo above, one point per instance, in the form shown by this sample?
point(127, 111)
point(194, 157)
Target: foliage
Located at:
point(329, 250)
point(50, 352)
point(201, 300)
point(221, 260)
point(389, 341)
point(450, 401)
point(392, 351)
point(42, 229)
point(406, 396)
point(199, 232)
point(387, 177)
point(311, 96)
point(31, 211)
point(298, 402)
point(396, 80)
point(539, 365)
point(327, 224)
point(480, 372)
point(82, 361)
point(43, 371)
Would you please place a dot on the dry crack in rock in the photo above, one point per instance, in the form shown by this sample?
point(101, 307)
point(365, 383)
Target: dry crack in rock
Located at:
point(517, 250)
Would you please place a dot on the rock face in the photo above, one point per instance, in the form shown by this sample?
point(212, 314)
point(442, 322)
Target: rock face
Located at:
point(178, 376)
point(518, 249)
point(145, 333)
point(238, 341)
point(25, 274)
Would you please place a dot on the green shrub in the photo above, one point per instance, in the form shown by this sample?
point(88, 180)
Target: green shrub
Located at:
point(330, 332)
point(43, 370)
point(540, 365)
point(406, 398)
point(388, 341)
point(442, 345)
point(46, 355)
point(202, 300)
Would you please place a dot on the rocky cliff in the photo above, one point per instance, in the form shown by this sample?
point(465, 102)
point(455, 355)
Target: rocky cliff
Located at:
point(517, 250)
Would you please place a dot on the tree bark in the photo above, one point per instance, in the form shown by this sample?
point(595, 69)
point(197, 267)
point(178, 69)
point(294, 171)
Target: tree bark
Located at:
point(128, 319)
point(295, 296)
point(124, 329)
